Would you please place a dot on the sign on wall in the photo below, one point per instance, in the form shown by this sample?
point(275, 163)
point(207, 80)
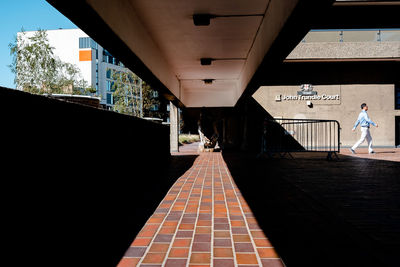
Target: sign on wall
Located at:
point(307, 93)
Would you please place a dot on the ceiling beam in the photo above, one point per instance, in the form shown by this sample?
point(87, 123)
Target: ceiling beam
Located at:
point(360, 15)
point(334, 72)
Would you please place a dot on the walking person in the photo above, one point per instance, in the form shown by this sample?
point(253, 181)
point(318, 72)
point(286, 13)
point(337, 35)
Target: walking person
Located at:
point(365, 123)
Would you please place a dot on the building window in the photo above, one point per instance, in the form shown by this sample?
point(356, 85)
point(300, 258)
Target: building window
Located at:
point(108, 58)
point(110, 86)
point(93, 44)
point(397, 96)
point(84, 42)
point(109, 73)
point(87, 42)
point(110, 99)
point(154, 107)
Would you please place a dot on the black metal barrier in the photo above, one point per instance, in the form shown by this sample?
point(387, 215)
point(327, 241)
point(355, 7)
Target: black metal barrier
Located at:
point(283, 136)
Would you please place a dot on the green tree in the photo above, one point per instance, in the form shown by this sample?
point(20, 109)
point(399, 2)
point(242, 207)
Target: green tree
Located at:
point(37, 70)
point(127, 93)
point(151, 102)
point(133, 96)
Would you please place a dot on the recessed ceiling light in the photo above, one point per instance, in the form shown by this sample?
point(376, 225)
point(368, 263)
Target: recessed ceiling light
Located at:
point(208, 81)
point(206, 61)
point(202, 19)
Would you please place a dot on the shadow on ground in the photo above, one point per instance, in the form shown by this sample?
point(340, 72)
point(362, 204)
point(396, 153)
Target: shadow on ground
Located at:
point(78, 183)
point(321, 213)
point(68, 220)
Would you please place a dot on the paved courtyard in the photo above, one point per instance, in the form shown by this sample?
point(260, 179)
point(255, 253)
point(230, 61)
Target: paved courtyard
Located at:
point(326, 213)
point(310, 212)
point(202, 221)
point(391, 154)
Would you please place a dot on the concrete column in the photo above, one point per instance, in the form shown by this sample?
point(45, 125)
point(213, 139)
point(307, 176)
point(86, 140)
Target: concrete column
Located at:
point(174, 130)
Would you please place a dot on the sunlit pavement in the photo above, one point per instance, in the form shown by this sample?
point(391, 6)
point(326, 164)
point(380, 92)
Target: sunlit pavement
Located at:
point(202, 221)
point(392, 154)
point(306, 206)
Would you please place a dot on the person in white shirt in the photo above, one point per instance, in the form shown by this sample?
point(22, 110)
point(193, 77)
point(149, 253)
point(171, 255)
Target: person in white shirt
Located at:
point(365, 123)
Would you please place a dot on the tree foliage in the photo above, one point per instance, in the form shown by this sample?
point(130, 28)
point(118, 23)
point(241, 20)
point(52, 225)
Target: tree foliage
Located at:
point(38, 70)
point(151, 102)
point(127, 93)
point(133, 96)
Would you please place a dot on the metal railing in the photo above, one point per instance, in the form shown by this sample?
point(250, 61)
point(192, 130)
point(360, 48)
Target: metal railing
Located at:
point(301, 135)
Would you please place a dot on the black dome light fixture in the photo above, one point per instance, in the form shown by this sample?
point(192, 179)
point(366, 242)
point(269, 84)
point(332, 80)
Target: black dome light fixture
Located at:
point(206, 61)
point(208, 81)
point(202, 19)
point(205, 19)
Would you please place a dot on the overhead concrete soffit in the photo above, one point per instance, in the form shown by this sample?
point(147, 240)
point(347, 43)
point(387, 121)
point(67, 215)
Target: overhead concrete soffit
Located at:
point(121, 17)
point(163, 36)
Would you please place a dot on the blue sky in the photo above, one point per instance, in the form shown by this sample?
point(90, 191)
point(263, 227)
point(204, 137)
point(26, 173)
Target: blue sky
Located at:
point(31, 15)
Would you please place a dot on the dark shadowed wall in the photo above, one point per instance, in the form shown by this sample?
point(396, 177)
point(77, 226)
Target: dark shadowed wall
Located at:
point(77, 183)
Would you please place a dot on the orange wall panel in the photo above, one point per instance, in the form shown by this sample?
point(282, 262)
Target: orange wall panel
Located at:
point(85, 55)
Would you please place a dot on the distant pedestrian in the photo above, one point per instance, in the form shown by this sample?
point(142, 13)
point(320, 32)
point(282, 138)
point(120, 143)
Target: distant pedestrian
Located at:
point(365, 123)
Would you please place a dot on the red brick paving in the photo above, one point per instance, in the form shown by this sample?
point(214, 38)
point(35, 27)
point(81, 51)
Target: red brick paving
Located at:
point(202, 221)
point(188, 149)
point(344, 212)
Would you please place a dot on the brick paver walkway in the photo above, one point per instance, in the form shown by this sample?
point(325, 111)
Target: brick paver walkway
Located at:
point(188, 149)
point(202, 221)
point(316, 212)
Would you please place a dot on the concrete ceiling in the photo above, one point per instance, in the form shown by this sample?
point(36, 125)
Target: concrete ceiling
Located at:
point(183, 44)
point(162, 34)
point(158, 40)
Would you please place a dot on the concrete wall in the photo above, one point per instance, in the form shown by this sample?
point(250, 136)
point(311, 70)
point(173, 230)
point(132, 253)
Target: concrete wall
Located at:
point(346, 50)
point(67, 200)
point(349, 44)
point(380, 99)
point(349, 35)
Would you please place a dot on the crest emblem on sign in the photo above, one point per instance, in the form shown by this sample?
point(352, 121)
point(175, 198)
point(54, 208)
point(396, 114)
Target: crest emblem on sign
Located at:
point(306, 89)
